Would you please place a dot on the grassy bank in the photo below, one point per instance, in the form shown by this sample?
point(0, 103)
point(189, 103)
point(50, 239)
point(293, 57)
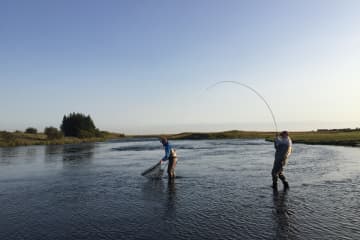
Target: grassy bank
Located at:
point(222, 135)
point(12, 139)
point(341, 138)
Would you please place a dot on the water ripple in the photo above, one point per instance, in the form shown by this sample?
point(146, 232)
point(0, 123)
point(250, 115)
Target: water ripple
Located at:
point(222, 192)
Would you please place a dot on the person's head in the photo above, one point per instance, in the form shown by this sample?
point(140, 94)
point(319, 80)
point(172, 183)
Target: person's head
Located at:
point(163, 140)
point(284, 134)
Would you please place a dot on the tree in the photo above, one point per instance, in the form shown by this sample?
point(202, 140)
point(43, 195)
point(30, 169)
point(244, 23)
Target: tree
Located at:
point(53, 133)
point(79, 125)
point(31, 130)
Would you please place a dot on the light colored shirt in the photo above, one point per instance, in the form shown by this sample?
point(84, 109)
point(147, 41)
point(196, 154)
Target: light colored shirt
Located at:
point(283, 146)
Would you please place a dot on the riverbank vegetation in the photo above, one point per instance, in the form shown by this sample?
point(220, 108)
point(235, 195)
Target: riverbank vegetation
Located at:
point(51, 135)
point(75, 128)
point(341, 137)
point(222, 135)
point(12, 139)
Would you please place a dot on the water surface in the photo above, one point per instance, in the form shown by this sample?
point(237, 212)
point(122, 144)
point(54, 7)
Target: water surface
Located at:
point(95, 191)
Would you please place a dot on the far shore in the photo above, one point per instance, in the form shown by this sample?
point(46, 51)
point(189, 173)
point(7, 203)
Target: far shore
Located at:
point(338, 137)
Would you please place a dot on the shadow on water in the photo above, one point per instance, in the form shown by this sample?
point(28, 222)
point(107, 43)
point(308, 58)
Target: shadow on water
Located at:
point(282, 215)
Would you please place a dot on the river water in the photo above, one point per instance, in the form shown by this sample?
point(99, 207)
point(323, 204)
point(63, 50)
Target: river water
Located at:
point(222, 191)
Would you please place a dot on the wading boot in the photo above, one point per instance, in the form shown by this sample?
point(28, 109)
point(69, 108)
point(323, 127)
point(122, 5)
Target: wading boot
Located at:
point(274, 185)
point(286, 186)
point(285, 183)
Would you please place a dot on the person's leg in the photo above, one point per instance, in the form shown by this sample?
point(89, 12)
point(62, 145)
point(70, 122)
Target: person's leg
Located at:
point(274, 178)
point(274, 181)
point(283, 180)
point(277, 169)
point(171, 167)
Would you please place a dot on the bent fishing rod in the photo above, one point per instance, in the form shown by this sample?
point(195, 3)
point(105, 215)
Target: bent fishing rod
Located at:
point(254, 91)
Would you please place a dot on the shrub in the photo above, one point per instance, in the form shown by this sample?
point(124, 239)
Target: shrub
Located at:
point(53, 133)
point(7, 136)
point(31, 130)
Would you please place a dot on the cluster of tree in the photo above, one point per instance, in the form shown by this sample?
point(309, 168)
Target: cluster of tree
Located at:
point(74, 125)
point(79, 125)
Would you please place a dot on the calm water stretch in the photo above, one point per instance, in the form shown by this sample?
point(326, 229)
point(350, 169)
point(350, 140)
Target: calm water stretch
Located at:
point(95, 191)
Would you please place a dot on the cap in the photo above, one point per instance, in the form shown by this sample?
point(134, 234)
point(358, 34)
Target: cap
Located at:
point(163, 139)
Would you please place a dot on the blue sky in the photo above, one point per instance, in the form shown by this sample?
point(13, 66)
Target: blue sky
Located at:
point(143, 66)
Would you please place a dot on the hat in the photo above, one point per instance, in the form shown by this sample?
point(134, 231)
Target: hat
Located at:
point(284, 133)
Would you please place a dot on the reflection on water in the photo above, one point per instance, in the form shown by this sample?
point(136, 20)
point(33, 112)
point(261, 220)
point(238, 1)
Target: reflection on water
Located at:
point(78, 152)
point(153, 189)
point(282, 214)
point(51, 150)
point(7, 153)
point(53, 154)
point(95, 191)
point(171, 199)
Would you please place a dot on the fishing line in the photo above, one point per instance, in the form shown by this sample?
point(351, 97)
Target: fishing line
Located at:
point(253, 90)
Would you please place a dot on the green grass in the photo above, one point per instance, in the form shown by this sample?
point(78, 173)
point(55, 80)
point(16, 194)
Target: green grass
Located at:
point(222, 135)
point(12, 139)
point(342, 138)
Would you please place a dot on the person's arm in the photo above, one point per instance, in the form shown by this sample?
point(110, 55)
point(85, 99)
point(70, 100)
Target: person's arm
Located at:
point(276, 143)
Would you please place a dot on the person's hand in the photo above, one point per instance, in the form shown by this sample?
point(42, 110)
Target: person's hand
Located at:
point(161, 161)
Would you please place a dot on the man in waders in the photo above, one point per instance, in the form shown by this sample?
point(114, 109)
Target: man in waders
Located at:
point(283, 145)
point(170, 154)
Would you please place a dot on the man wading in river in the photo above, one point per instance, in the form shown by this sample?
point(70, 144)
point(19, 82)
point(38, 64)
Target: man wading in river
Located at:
point(283, 147)
point(170, 154)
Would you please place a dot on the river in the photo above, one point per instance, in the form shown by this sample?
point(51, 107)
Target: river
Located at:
point(222, 191)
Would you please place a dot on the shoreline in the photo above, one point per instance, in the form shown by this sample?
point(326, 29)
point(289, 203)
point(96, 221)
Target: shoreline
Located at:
point(348, 138)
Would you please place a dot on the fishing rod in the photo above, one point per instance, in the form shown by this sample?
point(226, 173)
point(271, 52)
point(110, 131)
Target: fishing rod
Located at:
point(253, 90)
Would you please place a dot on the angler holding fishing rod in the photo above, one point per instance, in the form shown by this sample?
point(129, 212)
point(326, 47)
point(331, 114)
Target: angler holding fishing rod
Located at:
point(282, 142)
point(283, 146)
